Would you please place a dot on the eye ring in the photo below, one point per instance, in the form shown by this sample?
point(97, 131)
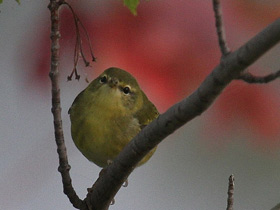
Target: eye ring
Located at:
point(103, 79)
point(126, 90)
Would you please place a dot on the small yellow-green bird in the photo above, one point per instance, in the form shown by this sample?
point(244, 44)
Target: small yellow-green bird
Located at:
point(108, 114)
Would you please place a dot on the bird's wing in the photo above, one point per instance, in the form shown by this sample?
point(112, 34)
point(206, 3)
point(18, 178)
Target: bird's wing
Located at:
point(147, 114)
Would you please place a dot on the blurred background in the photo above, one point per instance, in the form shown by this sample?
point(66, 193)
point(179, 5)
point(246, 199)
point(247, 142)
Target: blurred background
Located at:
point(170, 47)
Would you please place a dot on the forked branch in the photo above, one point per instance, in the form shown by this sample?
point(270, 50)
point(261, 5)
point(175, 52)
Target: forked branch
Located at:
point(245, 76)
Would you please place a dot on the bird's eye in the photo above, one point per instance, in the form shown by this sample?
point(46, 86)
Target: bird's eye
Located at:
point(126, 90)
point(103, 79)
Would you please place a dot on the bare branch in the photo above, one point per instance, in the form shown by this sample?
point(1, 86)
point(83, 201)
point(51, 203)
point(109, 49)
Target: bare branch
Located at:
point(230, 192)
point(88, 40)
point(229, 69)
point(220, 28)
point(245, 76)
point(64, 167)
point(250, 78)
point(78, 46)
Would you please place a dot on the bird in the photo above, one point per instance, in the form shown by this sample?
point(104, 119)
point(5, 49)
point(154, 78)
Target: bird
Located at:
point(108, 114)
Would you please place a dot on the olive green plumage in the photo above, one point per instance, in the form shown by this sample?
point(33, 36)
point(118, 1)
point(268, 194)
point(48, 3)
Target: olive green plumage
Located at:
point(108, 114)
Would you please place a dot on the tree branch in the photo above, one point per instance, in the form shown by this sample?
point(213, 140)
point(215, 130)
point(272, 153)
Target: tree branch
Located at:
point(229, 69)
point(250, 78)
point(64, 167)
point(245, 76)
point(220, 28)
point(230, 193)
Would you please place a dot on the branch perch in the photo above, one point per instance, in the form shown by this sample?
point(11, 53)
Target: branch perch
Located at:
point(229, 69)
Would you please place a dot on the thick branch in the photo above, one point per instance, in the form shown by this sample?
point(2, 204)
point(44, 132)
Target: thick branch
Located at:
point(229, 69)
point(64, 167)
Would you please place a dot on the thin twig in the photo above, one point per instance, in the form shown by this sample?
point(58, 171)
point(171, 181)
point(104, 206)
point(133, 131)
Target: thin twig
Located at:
point(230, 192)
point(77, 45)
point(83, 55)
point(220, 28)
point(64, 167)
point(250, 78)
point(88, 39)
point(78, 52)
point(76, 59)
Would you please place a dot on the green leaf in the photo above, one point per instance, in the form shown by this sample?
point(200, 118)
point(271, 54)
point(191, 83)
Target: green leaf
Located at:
point(1, 1)
point(132, 5)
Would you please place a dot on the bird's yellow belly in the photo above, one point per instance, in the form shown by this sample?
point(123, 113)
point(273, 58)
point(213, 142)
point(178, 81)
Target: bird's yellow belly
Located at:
point(101, 144)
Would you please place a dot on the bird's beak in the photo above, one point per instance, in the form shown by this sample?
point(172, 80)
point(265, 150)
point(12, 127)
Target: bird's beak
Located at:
point(113, 82)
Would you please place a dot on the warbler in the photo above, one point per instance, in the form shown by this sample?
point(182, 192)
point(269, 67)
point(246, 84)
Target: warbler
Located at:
point(108, 114)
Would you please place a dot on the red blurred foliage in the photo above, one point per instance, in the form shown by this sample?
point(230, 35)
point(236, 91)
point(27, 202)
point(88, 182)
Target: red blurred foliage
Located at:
point(170, 49)
point(248, 109)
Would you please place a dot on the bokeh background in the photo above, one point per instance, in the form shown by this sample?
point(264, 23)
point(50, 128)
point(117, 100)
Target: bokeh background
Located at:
point(171, 46)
